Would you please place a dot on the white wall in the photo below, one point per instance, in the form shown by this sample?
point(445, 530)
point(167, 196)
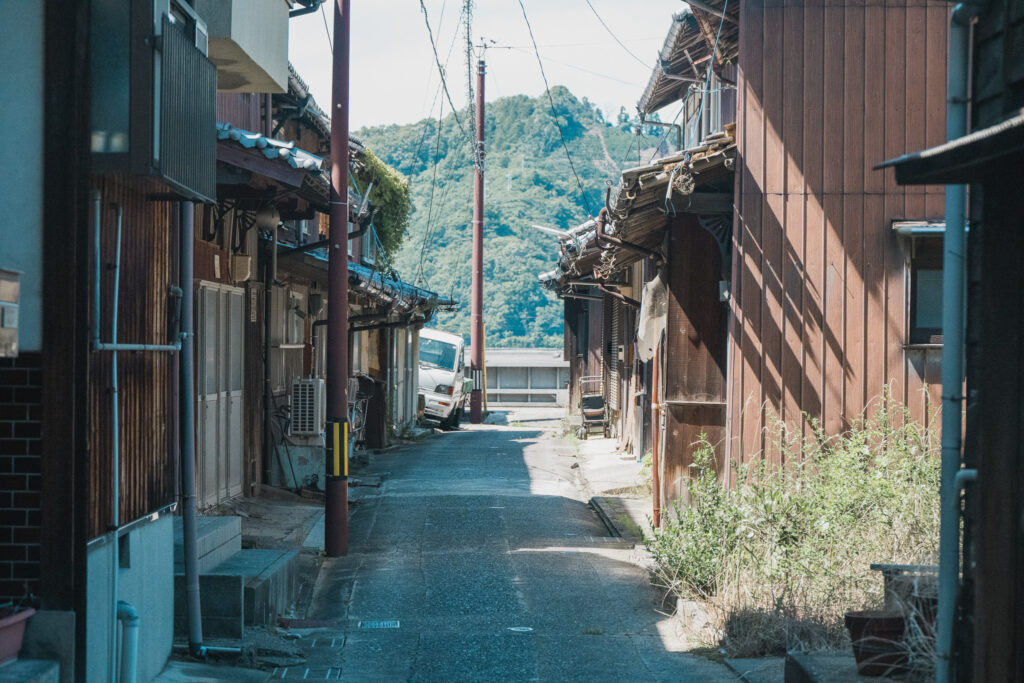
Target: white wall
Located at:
point(21, 160)
point(147, 584)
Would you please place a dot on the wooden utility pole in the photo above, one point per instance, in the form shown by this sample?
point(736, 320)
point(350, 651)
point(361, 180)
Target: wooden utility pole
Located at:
point(477, 319)
point(336, 488)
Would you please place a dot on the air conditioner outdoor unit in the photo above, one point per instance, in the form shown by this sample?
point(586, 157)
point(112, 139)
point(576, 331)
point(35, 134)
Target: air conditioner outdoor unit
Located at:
point(309, 408)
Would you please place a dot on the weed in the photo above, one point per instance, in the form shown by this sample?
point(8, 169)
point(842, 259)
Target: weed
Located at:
point(780, 556)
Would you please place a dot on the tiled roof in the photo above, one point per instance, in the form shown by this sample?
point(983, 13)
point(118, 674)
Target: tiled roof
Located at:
point(272, 149)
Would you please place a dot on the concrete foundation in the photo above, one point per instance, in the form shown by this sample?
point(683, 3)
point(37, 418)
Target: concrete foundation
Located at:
point(144, 559)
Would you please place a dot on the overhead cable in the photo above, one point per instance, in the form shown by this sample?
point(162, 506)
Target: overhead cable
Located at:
point(554, 113)
point(616, 38)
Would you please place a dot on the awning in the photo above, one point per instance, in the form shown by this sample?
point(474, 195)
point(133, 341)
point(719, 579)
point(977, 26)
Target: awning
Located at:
point(964, 160)
point(281, 162)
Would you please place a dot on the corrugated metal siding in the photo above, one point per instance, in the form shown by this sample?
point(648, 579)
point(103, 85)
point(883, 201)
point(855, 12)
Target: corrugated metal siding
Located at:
point(188, 123)
point(148, 412)
point(819, 290)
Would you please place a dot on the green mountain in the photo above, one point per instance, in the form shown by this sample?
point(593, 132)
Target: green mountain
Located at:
point(529, 181)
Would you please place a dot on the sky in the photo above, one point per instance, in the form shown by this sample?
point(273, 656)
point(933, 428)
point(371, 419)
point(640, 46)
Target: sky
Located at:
point(394, 78)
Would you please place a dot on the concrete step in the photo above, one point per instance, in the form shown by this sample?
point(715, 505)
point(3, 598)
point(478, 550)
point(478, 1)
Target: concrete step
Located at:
point(30, 671)
point(825, 667)
point(250, 588)
point(217, 539)
point(271, 580)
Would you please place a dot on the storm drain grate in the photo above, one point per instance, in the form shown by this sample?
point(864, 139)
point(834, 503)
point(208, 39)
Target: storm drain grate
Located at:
point(381, 623)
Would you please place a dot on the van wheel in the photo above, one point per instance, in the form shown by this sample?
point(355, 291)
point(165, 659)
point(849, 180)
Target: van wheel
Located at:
point(457, 418)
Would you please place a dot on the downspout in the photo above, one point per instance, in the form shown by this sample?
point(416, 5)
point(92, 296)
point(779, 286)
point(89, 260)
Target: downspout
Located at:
point(186, 408)
point(115, 467)
point(953, 346)
point(655, 439)
point(269, 275)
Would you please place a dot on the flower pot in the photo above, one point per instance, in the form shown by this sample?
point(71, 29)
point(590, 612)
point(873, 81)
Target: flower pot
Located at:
point(12, 631)
point(877, 639)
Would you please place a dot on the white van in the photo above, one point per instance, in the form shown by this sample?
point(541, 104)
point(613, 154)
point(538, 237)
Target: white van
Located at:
point(442, 374)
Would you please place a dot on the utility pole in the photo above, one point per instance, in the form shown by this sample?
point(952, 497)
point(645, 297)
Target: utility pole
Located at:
point(336, 488)
point(476, 335)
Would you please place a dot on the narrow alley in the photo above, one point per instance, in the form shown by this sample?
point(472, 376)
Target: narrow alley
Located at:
point(479, 559)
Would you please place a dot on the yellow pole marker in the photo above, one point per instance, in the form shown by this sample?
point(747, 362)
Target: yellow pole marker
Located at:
point(346, 448)
point(483, 354)
point(336, 447)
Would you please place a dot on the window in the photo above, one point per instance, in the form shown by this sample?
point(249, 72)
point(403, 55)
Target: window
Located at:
point(437, 353)
point(926, 290)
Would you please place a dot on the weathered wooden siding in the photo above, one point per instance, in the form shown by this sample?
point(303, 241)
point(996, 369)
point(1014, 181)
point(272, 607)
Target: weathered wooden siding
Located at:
point(242, 110)
point(827, 90)
point(695, 347)
point(146, 382)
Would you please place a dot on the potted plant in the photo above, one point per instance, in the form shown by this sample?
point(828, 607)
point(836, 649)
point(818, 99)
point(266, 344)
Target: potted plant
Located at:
point(877, 638)
point(12, 629)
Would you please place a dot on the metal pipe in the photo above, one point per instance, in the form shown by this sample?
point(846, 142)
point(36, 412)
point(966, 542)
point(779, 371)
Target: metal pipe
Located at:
point(476, 330)
point(273, 254)
point(129, 618)
point(115, 466)
point(655, 440)
point(97, 203)
point(268, 389)
point(336, 484)
point(186, 410)
point(618, 295)
point(953, 347)
point(582, 297)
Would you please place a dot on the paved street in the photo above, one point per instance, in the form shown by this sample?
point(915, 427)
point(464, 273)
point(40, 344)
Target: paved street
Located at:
point(480, 550)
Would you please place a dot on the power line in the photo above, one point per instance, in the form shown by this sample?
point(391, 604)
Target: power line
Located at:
point(616, 38)
point(571, 66)
point(430, 207)
point(467, 16)
point(323, 13)
point(554, 113)
point(444, 82)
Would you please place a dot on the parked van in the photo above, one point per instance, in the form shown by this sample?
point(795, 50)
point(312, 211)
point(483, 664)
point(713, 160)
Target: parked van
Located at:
point(442, 376)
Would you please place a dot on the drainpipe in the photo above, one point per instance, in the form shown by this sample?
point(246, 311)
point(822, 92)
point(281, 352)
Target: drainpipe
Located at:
point(953, 346)
point(656, 438)
point(269, 275)
point(186, 409)
point(129, 618)
point(115, 467)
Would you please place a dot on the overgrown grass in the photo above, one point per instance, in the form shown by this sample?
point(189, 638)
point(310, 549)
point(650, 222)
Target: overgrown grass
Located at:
point(777, 558)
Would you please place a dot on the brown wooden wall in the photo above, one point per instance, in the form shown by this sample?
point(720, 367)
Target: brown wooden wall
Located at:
point(696, 333)
point(827, 90)
point(242, 110)
point(148, 410)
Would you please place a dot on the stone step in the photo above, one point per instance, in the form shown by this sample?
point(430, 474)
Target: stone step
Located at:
point(250, 588)
point(217, 539)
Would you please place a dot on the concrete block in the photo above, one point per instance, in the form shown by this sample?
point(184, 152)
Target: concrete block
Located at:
point(271, 579)
point(30, 671)
point(217, 539)
point(50, 635)
point(220, 601)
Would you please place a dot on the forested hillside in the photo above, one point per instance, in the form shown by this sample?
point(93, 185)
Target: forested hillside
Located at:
point(529, 181)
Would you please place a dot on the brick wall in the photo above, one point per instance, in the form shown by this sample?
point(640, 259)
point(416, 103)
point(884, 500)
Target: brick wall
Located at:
point(21, 382)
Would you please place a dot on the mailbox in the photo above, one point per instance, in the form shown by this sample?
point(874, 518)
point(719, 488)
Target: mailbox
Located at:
point(9, 282)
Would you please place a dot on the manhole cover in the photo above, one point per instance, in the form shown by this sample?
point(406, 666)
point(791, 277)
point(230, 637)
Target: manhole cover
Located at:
point(392, 623)
point(520, 629)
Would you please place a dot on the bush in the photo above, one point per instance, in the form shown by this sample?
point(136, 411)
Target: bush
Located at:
point(791, 546)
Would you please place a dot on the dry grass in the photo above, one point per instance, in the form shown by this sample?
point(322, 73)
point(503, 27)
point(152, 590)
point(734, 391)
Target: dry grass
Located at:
point(776, 560)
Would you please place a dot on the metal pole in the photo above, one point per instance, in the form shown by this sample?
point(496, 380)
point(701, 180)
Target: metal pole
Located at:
point(655, 438)
point(336, 489)
point(477, 325)
point(953, 268)
point(186, 407)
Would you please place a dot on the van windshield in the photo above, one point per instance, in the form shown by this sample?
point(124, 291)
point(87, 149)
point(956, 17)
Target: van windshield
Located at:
point(437, 353)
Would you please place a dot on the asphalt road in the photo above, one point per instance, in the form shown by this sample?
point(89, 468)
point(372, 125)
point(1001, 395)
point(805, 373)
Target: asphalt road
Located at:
point(477, 559)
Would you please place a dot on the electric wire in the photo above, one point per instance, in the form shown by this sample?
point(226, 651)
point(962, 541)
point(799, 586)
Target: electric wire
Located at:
point(323, 13)
point(615, 37)
point(430, 206)
point(554, 113)
point(444, 81)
